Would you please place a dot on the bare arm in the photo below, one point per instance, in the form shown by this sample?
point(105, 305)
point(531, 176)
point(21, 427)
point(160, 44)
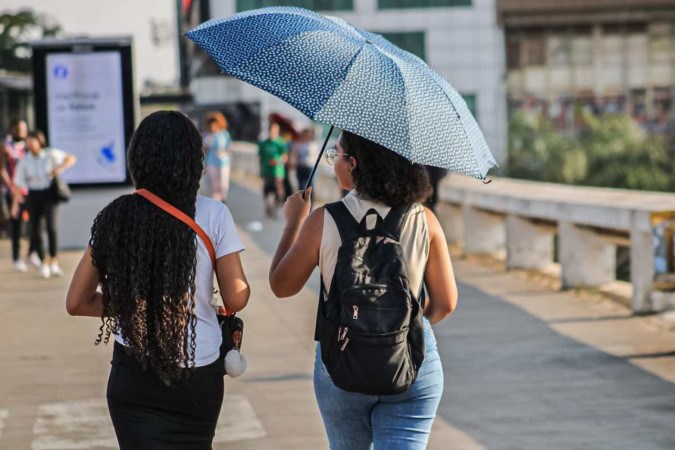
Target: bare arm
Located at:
point(234, 288)
point(439, 276)
point(4, 174)
point(83, 299)
point(68, 162)
point(298, 251)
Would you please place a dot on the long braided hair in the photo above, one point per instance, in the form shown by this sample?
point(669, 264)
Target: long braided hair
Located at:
point(146, 258)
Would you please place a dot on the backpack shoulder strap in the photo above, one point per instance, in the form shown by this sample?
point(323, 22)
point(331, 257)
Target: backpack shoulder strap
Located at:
point(345, 222)
point(394, 221)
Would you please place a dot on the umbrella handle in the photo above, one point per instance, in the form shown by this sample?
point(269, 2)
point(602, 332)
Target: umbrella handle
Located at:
point(318, 160)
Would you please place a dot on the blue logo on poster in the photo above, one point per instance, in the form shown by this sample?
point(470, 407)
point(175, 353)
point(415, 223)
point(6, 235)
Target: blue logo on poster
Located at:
point(60, 72)
point(106, 156)
point(107, 152)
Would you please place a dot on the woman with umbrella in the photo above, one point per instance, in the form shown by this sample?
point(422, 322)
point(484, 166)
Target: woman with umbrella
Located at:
point(398, 114)
point(378, 179)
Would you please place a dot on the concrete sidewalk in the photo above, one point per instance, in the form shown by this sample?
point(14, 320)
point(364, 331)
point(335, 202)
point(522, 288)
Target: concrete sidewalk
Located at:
point(506, 334)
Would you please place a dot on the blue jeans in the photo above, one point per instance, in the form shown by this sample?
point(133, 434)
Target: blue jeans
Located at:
point(356, 421)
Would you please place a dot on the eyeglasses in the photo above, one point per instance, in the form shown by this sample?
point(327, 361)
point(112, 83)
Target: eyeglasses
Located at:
point(332, 154)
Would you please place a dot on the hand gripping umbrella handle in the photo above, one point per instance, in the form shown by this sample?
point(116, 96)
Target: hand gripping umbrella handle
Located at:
point(318, 160)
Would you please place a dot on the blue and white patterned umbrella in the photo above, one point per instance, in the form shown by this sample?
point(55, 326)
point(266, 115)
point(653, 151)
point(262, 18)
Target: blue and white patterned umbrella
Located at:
point(350, 78)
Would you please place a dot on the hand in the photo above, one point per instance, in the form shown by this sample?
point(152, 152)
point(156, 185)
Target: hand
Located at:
point(297, 207)
point(273, 162)
point(15, 210)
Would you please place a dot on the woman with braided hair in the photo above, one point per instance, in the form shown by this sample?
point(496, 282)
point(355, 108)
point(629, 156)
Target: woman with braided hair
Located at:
point(166, 381)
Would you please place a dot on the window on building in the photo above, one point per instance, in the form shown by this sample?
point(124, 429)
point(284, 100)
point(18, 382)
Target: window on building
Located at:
point(401, 4)
point(582, 50)
point(513, 44)
point(534, 51)
point(470, 100)
point(314, 5)
point(559, 50)
point(412, 42)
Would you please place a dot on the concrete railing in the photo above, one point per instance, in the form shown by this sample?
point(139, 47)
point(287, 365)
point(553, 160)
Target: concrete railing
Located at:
point(518, 220)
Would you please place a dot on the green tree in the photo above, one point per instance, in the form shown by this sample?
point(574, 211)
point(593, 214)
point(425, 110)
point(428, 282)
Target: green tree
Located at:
point(16, 31)
point(623, 155)
point(538, 152)
point(611, 151)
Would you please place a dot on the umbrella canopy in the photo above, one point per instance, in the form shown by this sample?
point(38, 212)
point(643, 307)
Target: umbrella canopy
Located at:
point(352, 79)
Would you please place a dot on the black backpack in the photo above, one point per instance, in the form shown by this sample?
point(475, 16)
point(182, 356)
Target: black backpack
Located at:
point(370, 323)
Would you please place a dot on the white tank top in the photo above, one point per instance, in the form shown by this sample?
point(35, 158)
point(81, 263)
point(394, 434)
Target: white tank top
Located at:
point(414, 239)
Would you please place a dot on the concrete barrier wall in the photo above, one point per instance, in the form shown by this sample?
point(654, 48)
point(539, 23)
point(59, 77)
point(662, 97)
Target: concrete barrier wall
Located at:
point(518, 220)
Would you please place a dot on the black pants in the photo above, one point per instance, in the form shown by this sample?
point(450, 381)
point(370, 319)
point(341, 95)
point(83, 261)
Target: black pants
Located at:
point(15, 228)
point(149, 415)
point(41, 204)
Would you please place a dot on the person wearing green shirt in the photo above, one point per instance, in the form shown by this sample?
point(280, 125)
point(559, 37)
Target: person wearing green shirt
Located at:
point(273, 153)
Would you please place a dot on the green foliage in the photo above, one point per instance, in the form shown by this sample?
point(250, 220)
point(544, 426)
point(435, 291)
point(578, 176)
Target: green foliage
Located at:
point(16, 32)
point(610, 151)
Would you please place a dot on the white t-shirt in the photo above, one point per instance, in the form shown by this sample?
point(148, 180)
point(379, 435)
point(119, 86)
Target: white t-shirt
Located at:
point(216, 220)
point(35, 172)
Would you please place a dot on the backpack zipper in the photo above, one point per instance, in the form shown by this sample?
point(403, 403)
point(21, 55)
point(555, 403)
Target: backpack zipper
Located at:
point(342, 349)
point(342, 332)
point(356, 312)
point(342, 335)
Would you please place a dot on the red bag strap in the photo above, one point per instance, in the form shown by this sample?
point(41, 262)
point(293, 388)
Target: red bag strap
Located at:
point(180, 215)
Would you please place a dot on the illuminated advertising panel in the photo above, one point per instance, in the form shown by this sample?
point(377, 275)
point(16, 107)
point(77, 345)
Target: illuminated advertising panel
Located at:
point(84, 104)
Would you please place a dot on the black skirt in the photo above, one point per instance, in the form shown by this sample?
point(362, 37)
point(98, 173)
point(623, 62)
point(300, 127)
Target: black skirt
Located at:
point(147, 414)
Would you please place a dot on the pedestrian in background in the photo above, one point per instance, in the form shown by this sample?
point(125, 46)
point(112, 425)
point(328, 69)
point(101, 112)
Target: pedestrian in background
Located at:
point(12, 151)
point(216, 142)
point(165, 388)
point(379, 180)
point(289, 134)
point(35, 173)
point(303, 153)
point(273, 154)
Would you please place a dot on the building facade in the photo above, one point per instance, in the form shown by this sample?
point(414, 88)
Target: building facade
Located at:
point(460, 39)
point(606, 56)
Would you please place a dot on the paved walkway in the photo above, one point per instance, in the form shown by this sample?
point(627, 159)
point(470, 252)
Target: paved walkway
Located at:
point(526, 367)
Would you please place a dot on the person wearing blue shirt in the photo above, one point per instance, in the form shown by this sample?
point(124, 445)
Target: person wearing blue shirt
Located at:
point(216, 143)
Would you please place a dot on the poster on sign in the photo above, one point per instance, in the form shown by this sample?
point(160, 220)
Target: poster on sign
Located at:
point(86, 114)
point(84, 104)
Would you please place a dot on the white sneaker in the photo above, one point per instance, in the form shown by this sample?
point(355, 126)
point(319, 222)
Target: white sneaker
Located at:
point(56, 270)
point(20, 266)
point(34, 259)
point(44, 271)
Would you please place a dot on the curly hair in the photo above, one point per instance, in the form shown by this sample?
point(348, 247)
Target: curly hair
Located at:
point(145, 257)
point(385, 176)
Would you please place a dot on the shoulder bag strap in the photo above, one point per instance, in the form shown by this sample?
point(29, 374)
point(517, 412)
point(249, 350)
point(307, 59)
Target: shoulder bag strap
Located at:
point(180, 215)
